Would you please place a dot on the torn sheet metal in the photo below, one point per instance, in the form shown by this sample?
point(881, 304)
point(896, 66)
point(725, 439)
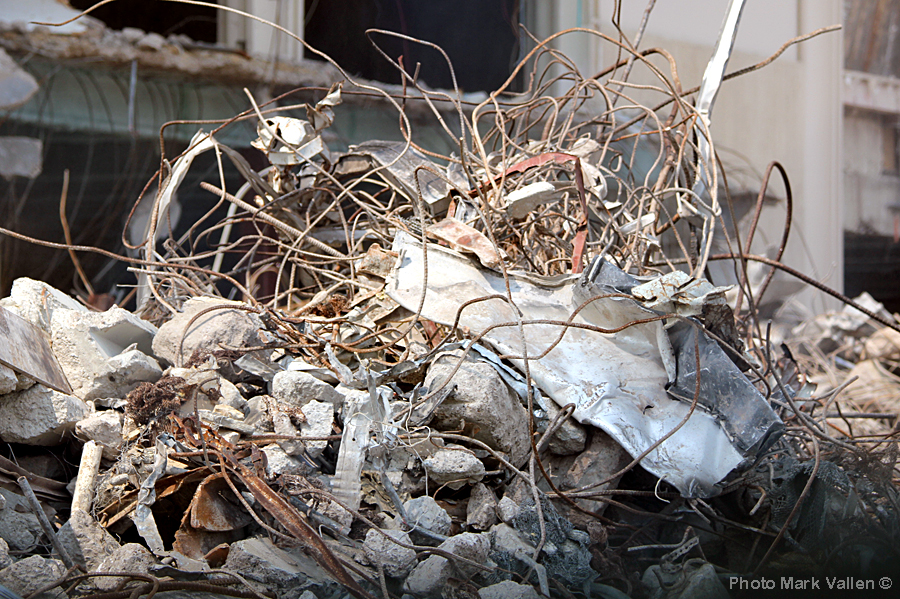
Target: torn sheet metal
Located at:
point(706, 97)
point(301, 141)
point(287, 141)
point(725, 392)
point(403, 165)
point(616, 381)
point(143, 514)
point(464, 238)
point(522, 201)
point(679, 293)
point(26, 349)
point(201, 142)
point(363, 412)
point(745, 416)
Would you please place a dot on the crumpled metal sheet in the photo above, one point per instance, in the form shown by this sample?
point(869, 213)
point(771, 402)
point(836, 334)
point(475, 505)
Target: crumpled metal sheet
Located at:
point(143, 514)
point(402, 166)
point(289, 141)
point(677, 293)
point(725, 392)
point(616, 381)
point(464, 238)
point(26, 349)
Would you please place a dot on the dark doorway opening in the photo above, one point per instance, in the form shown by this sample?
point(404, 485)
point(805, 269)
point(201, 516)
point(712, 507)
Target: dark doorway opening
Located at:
point(197, 22)
point(872, 263)
point(481, 37)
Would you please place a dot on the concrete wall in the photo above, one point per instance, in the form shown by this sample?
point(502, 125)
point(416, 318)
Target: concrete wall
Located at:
point(869, 185)
point(789, 111)
point(259, 39)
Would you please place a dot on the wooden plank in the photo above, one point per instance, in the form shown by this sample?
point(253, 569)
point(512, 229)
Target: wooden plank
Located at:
point(26, 349)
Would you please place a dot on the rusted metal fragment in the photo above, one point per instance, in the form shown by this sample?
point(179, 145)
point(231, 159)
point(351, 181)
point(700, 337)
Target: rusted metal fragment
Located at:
point(462, 237)
point(26, 349)
point(288, 516)
point(45, 488)
point(215, 508)
point(377, 261)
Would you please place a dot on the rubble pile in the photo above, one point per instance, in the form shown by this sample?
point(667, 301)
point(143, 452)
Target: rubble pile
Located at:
point(501, 373)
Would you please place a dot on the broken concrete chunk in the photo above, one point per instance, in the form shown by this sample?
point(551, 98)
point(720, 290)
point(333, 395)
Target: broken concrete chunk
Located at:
point(470, 546)
point(39, 416)
point(20, 156)
point(121, 374)
point(217, 328)
point(258, 415)
point(429, 577)
point(279, 462)
point(151, 41)
point(492, 413)
point(377, 261)
point(454, 467)
point(208, 378)
point(319, 420)
point(131, 557)
point(83, 342)
point(5, 559)
point(288, 574)
point(8, 380)
point(297, 388)
point(25, 382)
point(481, 512)
point(230, 395)
point(18, 526)
point(132, 34)
point(17, 86)
point(506, 540)
point(508, 590)
point(569, 438)
point(284, 426)
point(229, 411)
point(86, 540)
point(602, 458)
point(507, 509)
point(230, 436)
point(397, 561)
point(424, 512)
point(219, 421)
point(35, 301)
point(30, 574)
point(105, 428)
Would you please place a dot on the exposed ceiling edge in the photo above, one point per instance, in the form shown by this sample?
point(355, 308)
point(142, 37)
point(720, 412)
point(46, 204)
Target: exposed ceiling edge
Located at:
point(178, 55)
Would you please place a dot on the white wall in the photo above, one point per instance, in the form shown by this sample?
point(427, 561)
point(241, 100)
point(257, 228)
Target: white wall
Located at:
point(259, 39)
point(789, 111)
point(868, 189)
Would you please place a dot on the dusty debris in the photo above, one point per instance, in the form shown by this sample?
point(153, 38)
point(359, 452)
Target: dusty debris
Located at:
point(39, 416)
point(208, 324)
point(480, 404)
point(83, 342)
point(86, 540)
point(397, 560)
point(31, 574)
point(532, 381)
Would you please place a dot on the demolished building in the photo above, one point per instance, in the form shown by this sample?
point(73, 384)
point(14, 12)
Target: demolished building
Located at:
point(496, 371)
